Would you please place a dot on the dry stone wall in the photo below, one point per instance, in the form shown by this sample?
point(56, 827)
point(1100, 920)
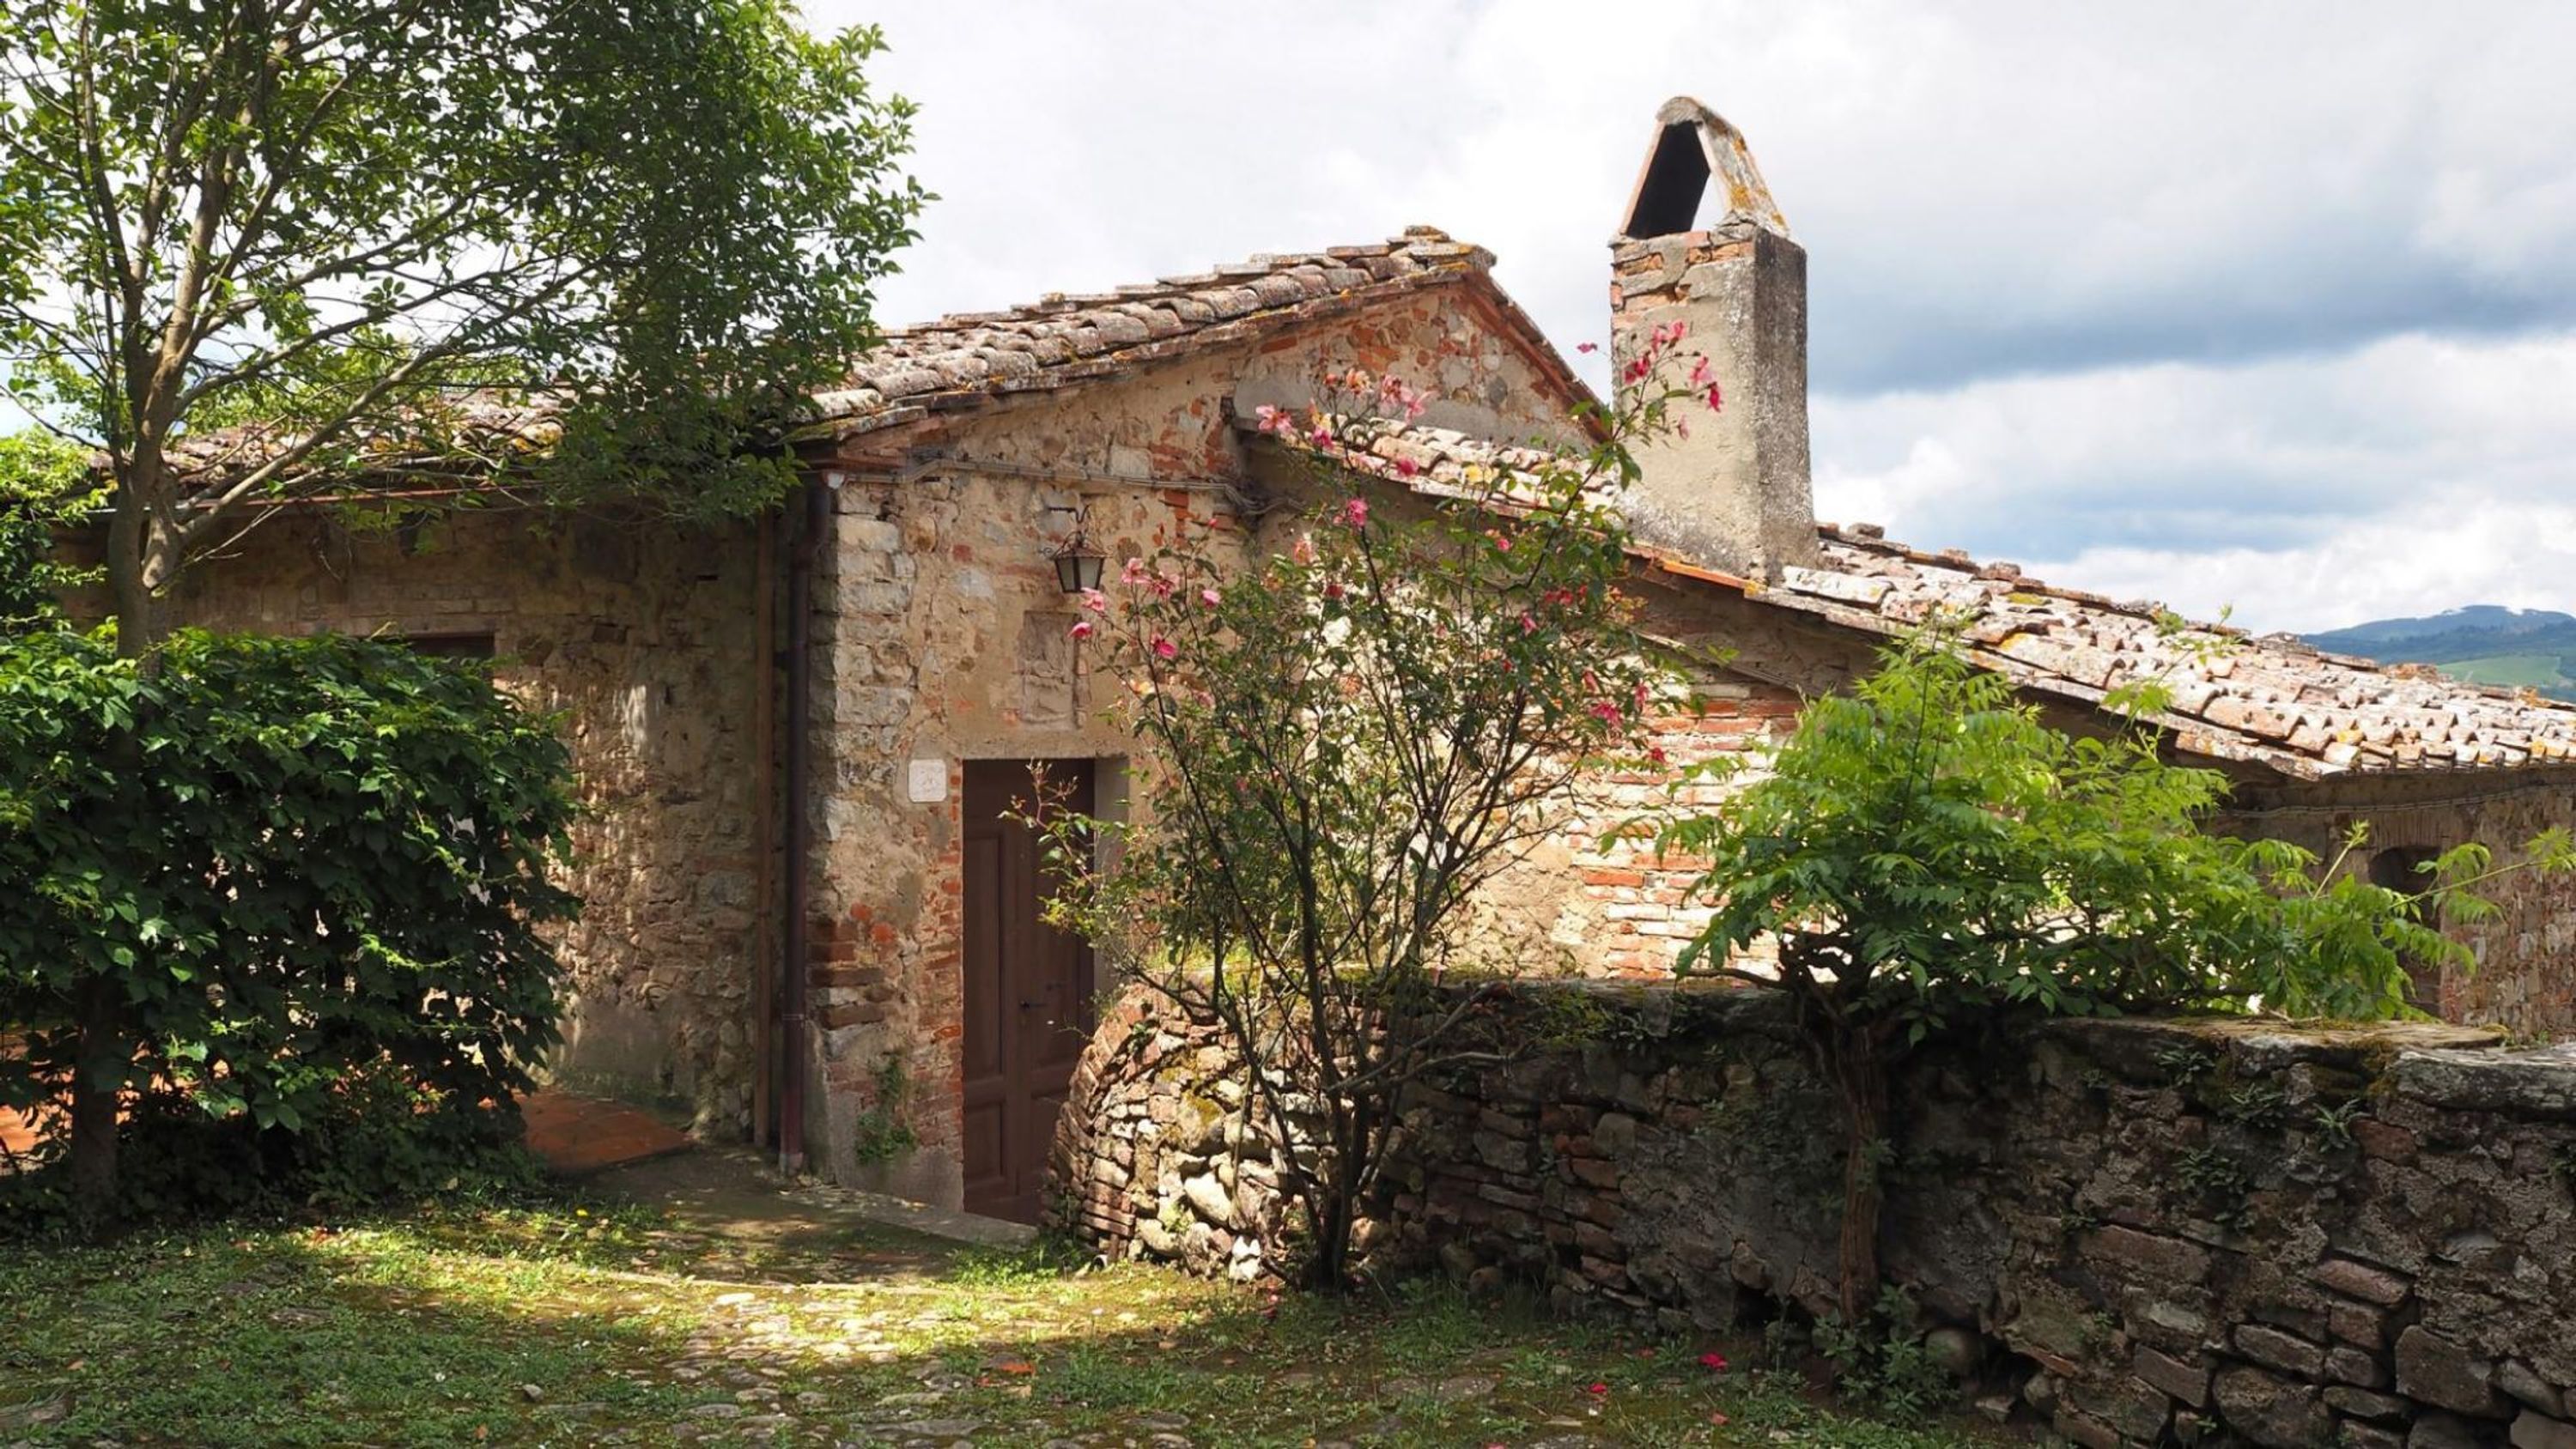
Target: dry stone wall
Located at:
point(2129, 1232)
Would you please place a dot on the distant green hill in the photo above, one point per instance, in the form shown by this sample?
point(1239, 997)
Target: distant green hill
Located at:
point(2483, 644)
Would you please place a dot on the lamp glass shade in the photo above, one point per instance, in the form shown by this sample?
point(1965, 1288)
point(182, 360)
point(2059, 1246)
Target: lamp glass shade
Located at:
point(1077, 571)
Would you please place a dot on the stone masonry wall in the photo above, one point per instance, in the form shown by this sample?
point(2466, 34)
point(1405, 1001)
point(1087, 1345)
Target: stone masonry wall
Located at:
point(642, 635)
point(2525, 979)
point(2131, 1232)
point(942, 637)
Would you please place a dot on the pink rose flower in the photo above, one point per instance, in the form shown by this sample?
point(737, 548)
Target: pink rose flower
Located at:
point(1165, 649)
point(1095, 601)
point(1082, 629)
point(1355, 513)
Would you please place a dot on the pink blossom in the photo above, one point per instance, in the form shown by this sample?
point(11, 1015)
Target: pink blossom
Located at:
point(1095, 601)
point(1395, 393)
point(1321, 436)
point(1587, 347)
point(1528, 624)
point(1502, 541)
point(1608, 712)
point(1210, 597)
point(1132, 572)
point(1333, 588)
point(1163, 586)
point(1303, 550)
point(1269, 419)
point(1355, 513)
point(1713, 1362)
point(1082, 629)
point(1164, 648)
point(1406, 467)
point(1716, 399)
point(1699, 372)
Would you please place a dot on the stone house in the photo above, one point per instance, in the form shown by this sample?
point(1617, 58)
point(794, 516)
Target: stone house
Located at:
point(810, 920)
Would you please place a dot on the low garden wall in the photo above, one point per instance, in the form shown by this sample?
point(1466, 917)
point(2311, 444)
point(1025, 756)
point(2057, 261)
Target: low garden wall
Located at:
point(2137, 1232)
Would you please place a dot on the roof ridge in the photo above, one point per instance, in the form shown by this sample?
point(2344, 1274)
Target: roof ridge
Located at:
point(1065, 337)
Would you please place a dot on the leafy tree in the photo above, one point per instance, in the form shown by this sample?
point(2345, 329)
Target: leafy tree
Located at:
point(316, 911)
point(1927, 850)
point(1341, 742)
point(257, 249)
point(249, 249)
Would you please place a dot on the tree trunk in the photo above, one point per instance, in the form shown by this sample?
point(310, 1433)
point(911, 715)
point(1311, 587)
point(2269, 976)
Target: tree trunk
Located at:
point(1862, 1079)
point(142, 558)
point(98, 1074)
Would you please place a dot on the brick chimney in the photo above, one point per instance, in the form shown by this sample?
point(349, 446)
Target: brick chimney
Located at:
point(1735, 493)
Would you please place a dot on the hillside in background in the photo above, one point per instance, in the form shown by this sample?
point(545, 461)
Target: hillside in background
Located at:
point(2483, 643)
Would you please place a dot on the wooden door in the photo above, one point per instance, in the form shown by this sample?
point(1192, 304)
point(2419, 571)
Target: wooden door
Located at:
point(1028, 990)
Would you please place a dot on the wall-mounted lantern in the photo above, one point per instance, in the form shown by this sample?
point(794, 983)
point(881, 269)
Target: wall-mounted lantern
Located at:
point(1077, 563)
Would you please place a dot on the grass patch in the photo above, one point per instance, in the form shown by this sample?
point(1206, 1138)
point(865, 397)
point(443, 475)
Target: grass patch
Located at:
point(581, 1323)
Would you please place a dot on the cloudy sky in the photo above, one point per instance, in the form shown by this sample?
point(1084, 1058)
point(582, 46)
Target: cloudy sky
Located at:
point(2270, 307)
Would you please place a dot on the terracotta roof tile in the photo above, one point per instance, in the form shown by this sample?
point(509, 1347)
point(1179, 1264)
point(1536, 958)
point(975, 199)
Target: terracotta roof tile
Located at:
point(1058, 340)
point(2272, 701)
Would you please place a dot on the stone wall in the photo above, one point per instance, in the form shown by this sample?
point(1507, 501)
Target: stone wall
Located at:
point(643, 636)
point(942, 637)
point(2525, 980)
point(2135, 1232)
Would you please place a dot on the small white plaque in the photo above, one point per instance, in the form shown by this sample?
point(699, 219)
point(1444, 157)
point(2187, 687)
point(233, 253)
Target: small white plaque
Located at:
point(927, 782)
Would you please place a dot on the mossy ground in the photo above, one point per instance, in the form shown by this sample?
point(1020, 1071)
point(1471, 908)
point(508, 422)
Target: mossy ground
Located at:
point(579, 1320)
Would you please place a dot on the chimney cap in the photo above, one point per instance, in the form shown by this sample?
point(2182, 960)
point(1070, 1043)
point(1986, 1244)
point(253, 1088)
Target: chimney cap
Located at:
point(1692, 145)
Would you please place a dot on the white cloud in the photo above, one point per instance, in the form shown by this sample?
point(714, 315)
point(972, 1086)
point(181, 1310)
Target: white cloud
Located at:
point(2270, 304)
point(2414, 473)
point(2010, 187)
point(2422, 558)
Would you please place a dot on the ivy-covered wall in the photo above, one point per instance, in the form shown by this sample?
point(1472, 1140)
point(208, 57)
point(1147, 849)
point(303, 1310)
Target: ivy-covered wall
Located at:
point(2134, 1232)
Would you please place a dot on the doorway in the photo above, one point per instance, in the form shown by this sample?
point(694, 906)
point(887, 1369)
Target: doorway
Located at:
point(1028, 987)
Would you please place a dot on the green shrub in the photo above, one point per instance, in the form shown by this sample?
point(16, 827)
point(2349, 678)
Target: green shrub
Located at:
point(44, 486)
point(1926, 853)
point(310, 876)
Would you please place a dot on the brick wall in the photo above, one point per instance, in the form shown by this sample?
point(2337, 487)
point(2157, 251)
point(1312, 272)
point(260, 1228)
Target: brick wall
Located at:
point(2132, 1232)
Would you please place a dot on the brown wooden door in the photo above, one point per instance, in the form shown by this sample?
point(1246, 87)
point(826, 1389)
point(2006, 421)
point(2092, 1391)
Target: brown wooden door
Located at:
point(1028, 991)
